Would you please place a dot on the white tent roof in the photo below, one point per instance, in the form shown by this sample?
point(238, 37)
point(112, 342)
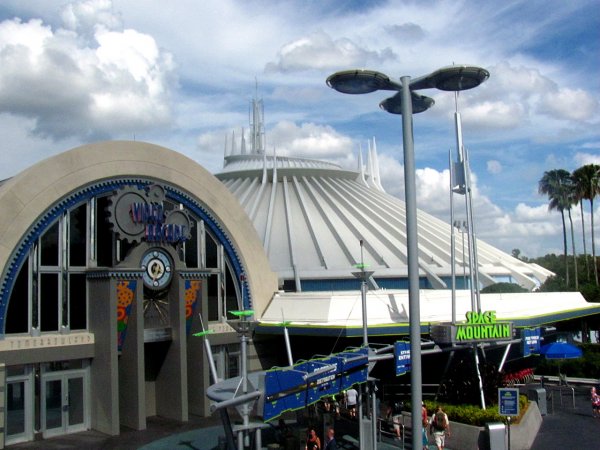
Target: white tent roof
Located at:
point(340, 313)
point(311, 216)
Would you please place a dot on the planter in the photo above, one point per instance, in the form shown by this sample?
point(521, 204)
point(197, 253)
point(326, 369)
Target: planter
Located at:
point(472, 437)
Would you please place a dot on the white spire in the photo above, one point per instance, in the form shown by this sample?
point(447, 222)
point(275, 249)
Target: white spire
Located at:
point(377, 174)
point(243, 145)
point(257, 126)
point(232, 142)
point(361, 167)
point(370, 171)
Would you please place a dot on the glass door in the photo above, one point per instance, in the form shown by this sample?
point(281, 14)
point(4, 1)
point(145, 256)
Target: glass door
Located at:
point(64, 402)
point(18, 409)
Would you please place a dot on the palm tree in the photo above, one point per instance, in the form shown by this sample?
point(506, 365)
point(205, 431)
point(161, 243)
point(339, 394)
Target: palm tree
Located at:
point(587, 179)
point(554, 183)
point(581, 186)
point(570, 200)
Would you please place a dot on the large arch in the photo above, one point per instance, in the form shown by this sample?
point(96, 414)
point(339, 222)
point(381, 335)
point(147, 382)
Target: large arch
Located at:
point(26, 201)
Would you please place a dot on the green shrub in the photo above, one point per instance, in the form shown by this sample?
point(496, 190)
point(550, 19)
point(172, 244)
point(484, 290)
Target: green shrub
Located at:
point(474, 415)
point(502, 288)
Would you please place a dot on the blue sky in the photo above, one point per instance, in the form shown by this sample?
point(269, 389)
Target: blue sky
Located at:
point(181, 74)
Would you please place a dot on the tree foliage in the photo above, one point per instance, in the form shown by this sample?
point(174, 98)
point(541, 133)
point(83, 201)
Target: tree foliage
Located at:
point(503, 288)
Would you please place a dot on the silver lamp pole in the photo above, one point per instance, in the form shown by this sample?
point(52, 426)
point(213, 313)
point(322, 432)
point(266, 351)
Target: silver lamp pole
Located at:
point(407, 102)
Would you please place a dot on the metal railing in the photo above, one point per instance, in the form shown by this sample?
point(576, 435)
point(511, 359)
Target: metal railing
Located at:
point(384, 423)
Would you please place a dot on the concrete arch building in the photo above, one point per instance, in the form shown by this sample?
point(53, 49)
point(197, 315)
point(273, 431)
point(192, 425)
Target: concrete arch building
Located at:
point(100, 293)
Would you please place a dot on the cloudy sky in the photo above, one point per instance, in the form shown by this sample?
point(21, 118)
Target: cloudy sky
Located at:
point(182, 73)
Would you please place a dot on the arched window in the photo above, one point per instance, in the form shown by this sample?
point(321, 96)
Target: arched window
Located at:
point(49, 292)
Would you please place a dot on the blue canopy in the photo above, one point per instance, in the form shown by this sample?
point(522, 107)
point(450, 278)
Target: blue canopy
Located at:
point(560, 350)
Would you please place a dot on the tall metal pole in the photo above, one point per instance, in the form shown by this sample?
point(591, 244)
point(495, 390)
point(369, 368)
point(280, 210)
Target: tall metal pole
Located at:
point(461, 157)
point(243, 440)
point(452, 238)
point(472, 231)
point(413, 264)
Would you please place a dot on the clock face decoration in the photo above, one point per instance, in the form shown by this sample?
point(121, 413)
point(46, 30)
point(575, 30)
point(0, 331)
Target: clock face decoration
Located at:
point(157, 268)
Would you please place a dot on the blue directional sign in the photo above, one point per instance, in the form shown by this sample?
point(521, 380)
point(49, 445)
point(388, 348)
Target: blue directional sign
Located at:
point(322, 378)
point(508, 401)
point(285, 390)
point(291, 388)
point(355, 367)
point(402, 357)
point(531, 341)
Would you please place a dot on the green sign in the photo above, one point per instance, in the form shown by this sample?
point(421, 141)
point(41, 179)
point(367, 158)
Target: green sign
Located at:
point(483, 327)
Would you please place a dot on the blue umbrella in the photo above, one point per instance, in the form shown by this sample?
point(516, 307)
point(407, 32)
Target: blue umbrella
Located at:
point(560, 350)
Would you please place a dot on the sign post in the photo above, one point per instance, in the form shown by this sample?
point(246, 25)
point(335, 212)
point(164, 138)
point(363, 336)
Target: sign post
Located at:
point(508, 405)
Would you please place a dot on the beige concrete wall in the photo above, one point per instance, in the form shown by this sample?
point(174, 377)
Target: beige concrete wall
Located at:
point(25, 198)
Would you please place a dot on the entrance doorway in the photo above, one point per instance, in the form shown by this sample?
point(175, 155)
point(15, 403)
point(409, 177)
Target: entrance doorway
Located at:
point(64, 402)
point(19, 406)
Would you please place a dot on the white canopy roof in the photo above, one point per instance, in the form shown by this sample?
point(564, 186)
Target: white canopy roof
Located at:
point(340, 313)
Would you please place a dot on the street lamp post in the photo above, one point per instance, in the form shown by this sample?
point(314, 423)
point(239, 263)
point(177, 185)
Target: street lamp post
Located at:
point(407, 102)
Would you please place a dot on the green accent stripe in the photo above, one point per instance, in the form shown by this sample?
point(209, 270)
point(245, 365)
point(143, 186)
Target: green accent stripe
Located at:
point(391, 329)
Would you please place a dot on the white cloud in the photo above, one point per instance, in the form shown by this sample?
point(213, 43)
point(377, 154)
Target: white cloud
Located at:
point(582, 158)
point(310, 140)
point(570, 104)
point(286, 138)
point(119, 84)
point(319, 51)
point(494, 166)
point(85, 16)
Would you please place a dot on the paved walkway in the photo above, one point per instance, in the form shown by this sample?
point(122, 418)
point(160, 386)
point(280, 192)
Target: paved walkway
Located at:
point(564, 427)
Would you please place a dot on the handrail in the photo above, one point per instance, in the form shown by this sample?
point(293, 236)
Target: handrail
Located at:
point(574, 380)
point(381, 432)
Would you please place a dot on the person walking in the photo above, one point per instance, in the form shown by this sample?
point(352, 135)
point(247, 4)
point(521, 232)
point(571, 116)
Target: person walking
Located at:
point(330, 443)
point(351, 399)
point(312, 440)
point(440, 427)
point(425, 423)
point(397, 418)
point(595, 398)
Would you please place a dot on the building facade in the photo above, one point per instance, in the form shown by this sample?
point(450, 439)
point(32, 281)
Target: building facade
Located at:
point(113, 255)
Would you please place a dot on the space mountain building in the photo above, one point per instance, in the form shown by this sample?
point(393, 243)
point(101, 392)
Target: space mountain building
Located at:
point(115, 256)
point(318, 222)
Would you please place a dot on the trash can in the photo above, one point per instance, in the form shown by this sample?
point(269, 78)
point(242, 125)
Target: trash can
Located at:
point(538, 395)
point(497, 435)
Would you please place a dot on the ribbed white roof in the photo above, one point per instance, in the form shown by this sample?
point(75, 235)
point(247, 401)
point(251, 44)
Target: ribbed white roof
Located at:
point(311, 216)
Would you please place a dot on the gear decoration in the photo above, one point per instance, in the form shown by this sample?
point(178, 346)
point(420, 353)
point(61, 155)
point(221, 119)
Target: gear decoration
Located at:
point(182, 221)
point(119, 218)
point(136, 214)
point(156, 193)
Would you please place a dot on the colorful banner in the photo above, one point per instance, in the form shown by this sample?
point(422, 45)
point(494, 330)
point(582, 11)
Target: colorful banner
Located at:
point(191, 295)
point(125, 297)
